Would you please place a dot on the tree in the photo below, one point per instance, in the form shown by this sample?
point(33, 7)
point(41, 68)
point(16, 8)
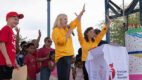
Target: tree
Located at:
point(117, 30)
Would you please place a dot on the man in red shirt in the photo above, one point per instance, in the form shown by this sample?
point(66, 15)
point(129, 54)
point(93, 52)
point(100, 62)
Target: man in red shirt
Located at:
point(43, 57)
point(8, 46)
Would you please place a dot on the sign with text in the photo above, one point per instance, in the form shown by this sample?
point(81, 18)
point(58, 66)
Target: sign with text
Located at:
point(108, 62)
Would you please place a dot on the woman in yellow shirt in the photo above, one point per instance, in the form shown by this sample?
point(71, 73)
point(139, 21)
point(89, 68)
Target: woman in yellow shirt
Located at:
point(62, 38)
point(88, 42)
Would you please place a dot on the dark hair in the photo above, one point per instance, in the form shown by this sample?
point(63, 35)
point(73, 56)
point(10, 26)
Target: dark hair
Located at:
point(78, 59)
point(97, 31)
point(51, 53)
point(23, 42)
point(80, 51)
point(29, 44)
point(45, 39)
point(85, 34)
point(78, 56)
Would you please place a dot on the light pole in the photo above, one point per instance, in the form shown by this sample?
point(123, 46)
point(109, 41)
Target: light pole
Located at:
point(48, 18)
point(107, 13)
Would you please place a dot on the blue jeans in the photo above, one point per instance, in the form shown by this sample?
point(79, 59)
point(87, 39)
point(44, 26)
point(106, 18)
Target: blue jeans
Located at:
point(63, 67)
point(44, 73)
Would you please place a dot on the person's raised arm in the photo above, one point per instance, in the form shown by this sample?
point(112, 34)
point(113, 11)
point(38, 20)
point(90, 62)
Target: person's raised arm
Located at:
point(74, 23)
point(101, 34)
point(17, 40)
point(80, 35)
point(108, 21)
point(81, 13)
point(38, 39)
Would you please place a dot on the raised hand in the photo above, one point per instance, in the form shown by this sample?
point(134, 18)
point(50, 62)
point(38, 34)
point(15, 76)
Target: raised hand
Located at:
point(39, 33)
point(108, 21)
point(81, 13)
point(83, 10)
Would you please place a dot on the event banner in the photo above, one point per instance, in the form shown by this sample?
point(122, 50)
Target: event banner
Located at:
point(108, 62)
point(135, 66)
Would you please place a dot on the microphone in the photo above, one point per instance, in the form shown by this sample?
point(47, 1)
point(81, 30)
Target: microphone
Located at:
point(69, 28)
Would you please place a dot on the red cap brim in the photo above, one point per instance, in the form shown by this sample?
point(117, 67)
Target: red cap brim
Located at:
point(21, 16)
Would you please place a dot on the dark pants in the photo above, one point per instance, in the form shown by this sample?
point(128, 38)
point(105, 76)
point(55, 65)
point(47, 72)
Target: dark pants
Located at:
point(63, 67)
point(85, 72)
point(44, 73)
point(5, 72)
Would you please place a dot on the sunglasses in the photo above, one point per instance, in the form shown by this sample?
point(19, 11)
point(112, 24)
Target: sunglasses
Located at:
point(49, 41)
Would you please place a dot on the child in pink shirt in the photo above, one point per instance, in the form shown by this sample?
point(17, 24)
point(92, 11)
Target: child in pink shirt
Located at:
point(52, 66)
point(79, 71)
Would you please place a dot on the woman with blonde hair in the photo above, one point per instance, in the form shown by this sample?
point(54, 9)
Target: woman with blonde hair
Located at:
point(62, 38)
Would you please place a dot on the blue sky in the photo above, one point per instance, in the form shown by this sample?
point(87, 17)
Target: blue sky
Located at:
point(35, 12)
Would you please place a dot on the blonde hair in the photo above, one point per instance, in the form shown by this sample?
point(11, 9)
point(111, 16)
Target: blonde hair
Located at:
point(57, 22)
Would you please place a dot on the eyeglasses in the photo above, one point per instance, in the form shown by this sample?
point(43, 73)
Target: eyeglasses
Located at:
point(49, 41)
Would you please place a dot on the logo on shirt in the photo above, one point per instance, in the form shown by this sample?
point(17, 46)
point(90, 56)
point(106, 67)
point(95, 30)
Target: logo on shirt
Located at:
point(13, 43)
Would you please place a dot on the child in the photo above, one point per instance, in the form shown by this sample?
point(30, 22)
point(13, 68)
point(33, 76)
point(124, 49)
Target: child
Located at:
point(71, 69)
point(52, 66)
point(30, 61)
point(8, 46)
point(78, 71)
point(36, 44)
point(21, 53)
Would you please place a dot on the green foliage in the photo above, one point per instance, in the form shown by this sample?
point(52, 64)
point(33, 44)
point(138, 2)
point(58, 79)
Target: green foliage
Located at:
point(117, 30)
point(134, 18)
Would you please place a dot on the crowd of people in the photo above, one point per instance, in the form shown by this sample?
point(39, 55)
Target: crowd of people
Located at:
point(49, 63)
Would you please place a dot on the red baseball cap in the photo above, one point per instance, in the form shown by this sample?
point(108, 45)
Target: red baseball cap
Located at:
point(14, 14)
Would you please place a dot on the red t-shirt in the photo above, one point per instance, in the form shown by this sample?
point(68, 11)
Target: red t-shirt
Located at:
point(8, 37)
point(37, 63)
point(35, 54)
point(44, 52)
point(30, 61)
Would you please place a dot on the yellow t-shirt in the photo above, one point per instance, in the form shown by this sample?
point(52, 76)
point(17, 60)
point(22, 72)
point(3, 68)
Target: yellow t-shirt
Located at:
point(63, 46)
point(86, 46)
